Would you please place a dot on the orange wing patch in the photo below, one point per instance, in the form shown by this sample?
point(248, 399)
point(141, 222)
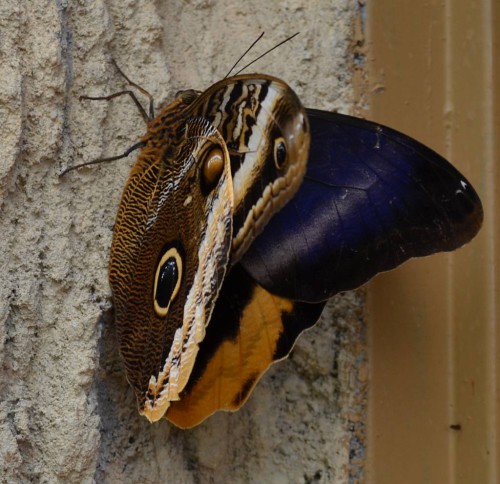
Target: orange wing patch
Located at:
point(250, 329)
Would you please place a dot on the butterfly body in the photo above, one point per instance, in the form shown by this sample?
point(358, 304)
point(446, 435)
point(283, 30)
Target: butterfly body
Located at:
point(243, 213)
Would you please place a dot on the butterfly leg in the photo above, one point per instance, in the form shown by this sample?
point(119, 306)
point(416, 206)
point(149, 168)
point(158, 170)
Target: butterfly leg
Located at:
point(140, 89)
point(104, 160)
point(143, 112)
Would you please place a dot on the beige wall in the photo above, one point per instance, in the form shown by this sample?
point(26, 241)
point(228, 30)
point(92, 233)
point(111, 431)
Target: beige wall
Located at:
point(66, 411)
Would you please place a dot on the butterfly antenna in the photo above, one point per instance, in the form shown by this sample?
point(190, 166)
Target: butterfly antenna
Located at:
point(244, 54)
point(267, 52)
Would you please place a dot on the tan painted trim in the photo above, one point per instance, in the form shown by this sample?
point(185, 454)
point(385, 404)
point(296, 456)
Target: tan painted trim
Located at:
point(434, 343)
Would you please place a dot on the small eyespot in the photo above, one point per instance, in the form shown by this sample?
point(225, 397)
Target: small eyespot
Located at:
point(280, 154)
point(167, 280)
point(212, 169)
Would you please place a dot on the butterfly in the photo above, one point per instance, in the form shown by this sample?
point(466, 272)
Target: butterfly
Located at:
point(243, 214)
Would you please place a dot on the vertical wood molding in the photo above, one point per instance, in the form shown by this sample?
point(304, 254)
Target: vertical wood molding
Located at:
point(433, 339)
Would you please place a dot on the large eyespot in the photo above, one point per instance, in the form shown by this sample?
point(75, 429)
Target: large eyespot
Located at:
point(212, 169)
point(280, 154)
point(167, 280)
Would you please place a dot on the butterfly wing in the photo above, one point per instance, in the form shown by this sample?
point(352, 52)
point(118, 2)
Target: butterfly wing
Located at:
point(170, 249)
point(371, 199)
point(212, 171)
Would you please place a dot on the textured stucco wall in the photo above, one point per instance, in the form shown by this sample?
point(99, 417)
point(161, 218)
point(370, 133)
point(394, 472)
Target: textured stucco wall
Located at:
point(66, 411)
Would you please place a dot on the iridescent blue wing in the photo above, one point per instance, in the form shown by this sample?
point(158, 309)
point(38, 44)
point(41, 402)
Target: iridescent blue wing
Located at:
point(372, 198)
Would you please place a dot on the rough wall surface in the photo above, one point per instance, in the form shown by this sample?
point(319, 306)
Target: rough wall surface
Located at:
point(66, 411)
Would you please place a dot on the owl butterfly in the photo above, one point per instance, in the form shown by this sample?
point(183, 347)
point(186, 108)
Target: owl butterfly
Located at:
point(243, 214)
